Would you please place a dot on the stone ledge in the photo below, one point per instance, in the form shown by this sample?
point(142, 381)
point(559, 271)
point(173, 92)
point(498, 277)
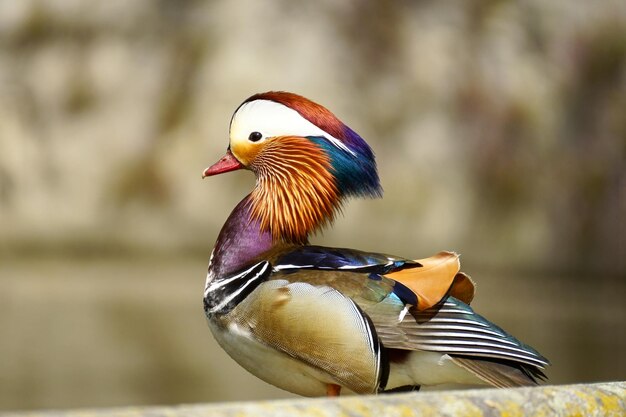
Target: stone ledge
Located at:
point(589, 400)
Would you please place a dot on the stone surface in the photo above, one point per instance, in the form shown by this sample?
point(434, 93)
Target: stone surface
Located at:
point(596, 400)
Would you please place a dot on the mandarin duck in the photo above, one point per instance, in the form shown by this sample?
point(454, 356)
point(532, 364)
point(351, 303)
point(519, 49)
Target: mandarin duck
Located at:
point(313, 320)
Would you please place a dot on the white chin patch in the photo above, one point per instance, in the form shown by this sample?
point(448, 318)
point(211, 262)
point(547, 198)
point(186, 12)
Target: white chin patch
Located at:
point(274, 119)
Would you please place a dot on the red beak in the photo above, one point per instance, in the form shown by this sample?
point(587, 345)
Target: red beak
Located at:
point(226, 164)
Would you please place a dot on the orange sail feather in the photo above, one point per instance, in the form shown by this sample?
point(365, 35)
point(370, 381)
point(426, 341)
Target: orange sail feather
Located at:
point(435, 279)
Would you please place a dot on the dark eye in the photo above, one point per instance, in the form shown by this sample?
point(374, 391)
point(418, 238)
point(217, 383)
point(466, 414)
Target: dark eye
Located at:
point(255, 136)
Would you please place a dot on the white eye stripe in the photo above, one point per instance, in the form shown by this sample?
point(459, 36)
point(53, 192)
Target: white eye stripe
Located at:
point(274, 119)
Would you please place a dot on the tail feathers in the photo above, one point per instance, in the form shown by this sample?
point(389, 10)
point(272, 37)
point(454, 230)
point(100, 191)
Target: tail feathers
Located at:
point(501, 374)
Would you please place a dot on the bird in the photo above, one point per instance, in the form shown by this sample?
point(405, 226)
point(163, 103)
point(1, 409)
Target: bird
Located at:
point(321, 321)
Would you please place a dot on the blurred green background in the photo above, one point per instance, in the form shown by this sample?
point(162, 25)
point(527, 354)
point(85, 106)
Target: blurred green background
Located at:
point(500, 132)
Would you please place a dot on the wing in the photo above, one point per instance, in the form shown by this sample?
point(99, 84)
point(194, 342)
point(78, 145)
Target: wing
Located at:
point(451, 327)
point(500, 374)
point(421, 283)
point(339, 259)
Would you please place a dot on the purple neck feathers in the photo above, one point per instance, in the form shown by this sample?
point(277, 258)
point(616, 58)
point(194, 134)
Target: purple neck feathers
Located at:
point(239, 242)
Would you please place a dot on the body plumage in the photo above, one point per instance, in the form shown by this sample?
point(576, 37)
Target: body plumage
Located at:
point(313, 320)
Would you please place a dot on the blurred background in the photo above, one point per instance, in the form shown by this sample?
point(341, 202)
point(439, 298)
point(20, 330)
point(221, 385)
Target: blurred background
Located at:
point(500, 132)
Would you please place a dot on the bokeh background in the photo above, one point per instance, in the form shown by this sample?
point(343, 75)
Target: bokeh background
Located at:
point(500, 132)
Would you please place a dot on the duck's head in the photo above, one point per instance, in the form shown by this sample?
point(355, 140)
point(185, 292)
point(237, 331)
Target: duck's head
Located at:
point(306, 162)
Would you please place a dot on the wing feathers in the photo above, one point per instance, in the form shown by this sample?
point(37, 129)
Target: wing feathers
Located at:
point(423, 282)
point(427, 311)
point(453, 327)
point(432, 281)
point(497, 374)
